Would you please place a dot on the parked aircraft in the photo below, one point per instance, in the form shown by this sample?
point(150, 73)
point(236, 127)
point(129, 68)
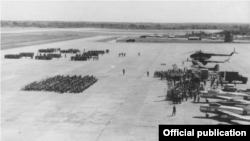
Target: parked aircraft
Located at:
point(234, 102)
point(204, 62)
point(219, 94)
point(215, 68)
point(228, 111)
point(203, 55)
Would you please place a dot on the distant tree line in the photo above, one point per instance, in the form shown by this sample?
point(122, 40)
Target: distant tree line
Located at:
point(236, 28)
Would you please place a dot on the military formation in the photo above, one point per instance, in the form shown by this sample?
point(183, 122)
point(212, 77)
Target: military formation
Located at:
point(62, 84)
point(49, 50)
point(50, 53)
point(27, 54)
point(43, 57)
point(88, 55)
point(12, 56)
point(70, 51)
point(20, 55)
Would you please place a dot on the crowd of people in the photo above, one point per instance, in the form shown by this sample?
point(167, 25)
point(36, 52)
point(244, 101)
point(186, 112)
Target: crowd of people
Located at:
point(62, 84)
point(182, 84)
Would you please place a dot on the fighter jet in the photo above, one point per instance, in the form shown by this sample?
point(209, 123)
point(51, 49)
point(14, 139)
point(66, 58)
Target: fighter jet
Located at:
point(234, 102)
point(228, 111)
point(219, 94)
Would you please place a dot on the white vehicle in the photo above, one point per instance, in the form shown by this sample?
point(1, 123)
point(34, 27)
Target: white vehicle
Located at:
point(229, 111)
point(219, 94)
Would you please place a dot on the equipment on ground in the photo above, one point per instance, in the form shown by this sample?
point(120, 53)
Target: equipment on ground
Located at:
point(231, 76)
point(219, 94)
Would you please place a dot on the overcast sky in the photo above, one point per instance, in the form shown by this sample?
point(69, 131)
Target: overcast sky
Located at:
point(129, 11)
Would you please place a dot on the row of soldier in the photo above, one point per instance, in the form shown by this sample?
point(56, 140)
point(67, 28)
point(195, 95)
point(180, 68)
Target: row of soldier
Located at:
point(70, 51)
point(87, 55)
point(20, 55)
point(49, 50)
point(122, 54)
point(47, 56)
point(62, 84)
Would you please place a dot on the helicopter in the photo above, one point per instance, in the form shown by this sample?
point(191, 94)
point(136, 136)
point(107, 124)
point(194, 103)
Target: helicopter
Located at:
point(203, 55)
point(204, 62)
point(214, 69)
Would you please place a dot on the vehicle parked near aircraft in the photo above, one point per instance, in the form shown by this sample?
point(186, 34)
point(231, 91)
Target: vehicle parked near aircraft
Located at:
point(231, 76)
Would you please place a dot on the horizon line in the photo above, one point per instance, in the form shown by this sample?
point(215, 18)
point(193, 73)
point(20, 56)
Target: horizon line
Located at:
point(127, 22)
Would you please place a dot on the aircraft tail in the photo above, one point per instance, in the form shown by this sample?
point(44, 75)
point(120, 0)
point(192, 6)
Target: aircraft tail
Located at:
point(228, 60)
point(233, 52)
point(216, 67)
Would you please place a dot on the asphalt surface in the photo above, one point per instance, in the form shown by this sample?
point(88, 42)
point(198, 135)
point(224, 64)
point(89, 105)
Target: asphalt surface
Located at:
point(118, 107)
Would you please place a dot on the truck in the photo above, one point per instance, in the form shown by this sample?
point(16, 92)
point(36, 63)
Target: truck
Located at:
point(204, 74)
point(231, 76)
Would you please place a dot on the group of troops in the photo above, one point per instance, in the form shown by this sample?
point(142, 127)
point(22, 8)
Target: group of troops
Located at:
point(181, 84)
point(43, 57)
point(49, 54)
point(12, 56)
point(88, 55)
point(49, 50)
point(20, 55)
point(62, 84)
point(70, 51)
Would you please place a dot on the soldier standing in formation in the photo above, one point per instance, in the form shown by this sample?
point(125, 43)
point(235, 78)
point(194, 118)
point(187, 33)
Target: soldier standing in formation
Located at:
point(148, 73)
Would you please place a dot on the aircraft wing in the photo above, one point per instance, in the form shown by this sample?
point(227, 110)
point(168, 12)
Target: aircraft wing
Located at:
point(237, 116)
point(223, 97)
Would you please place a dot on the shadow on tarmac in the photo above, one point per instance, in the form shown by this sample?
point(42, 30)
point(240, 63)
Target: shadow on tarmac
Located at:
point(161, 100)
point(199, 102)
point(218, 118)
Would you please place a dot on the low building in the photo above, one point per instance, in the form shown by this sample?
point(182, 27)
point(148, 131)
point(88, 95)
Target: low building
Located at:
point(131, 40)
point(194, 38)
point(143, 36)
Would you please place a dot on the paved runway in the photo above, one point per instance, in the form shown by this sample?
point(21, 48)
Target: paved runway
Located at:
point(118, 107)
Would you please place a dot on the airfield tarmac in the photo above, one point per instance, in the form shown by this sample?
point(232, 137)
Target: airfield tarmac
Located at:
point(118, 107)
